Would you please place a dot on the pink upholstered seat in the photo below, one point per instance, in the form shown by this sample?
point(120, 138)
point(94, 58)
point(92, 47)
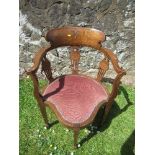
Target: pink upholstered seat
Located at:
point(75, 97)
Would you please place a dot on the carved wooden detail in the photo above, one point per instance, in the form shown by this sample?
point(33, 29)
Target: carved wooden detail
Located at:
point(46, 68)
point(113, 59)
point(103, 67)
point(75, 58)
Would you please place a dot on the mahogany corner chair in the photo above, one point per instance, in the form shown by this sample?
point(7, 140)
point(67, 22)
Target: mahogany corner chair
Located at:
point(75, 98)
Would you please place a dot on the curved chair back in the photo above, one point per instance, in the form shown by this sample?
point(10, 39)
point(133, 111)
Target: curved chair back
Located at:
point(75, 36)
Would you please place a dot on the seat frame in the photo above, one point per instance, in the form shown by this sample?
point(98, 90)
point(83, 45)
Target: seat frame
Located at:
point(75, 37)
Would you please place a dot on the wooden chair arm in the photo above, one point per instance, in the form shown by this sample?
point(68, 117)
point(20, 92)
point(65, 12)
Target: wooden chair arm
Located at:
point(32, 71)
point(119, 70)
point(37, 59)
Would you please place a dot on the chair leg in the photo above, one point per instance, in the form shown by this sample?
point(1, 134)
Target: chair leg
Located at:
point(107, 109)
point(44, 115)
point(76, 133)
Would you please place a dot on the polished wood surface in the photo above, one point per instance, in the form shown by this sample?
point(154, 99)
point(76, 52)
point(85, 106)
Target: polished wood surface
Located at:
point(75, 37)
point(75, 58)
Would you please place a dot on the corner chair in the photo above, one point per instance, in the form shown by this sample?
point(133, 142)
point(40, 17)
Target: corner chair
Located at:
point(75, 98)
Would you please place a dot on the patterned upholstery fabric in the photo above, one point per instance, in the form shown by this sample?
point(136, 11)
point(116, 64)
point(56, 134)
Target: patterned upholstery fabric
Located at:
point(75, 96)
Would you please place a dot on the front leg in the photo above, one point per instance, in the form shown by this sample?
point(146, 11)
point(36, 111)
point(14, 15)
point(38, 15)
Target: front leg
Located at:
point(76, 133)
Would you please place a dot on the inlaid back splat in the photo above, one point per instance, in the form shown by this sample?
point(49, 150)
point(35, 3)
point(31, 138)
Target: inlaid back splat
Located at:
point(103, 67)
point(46, 68)
point(75, 58)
